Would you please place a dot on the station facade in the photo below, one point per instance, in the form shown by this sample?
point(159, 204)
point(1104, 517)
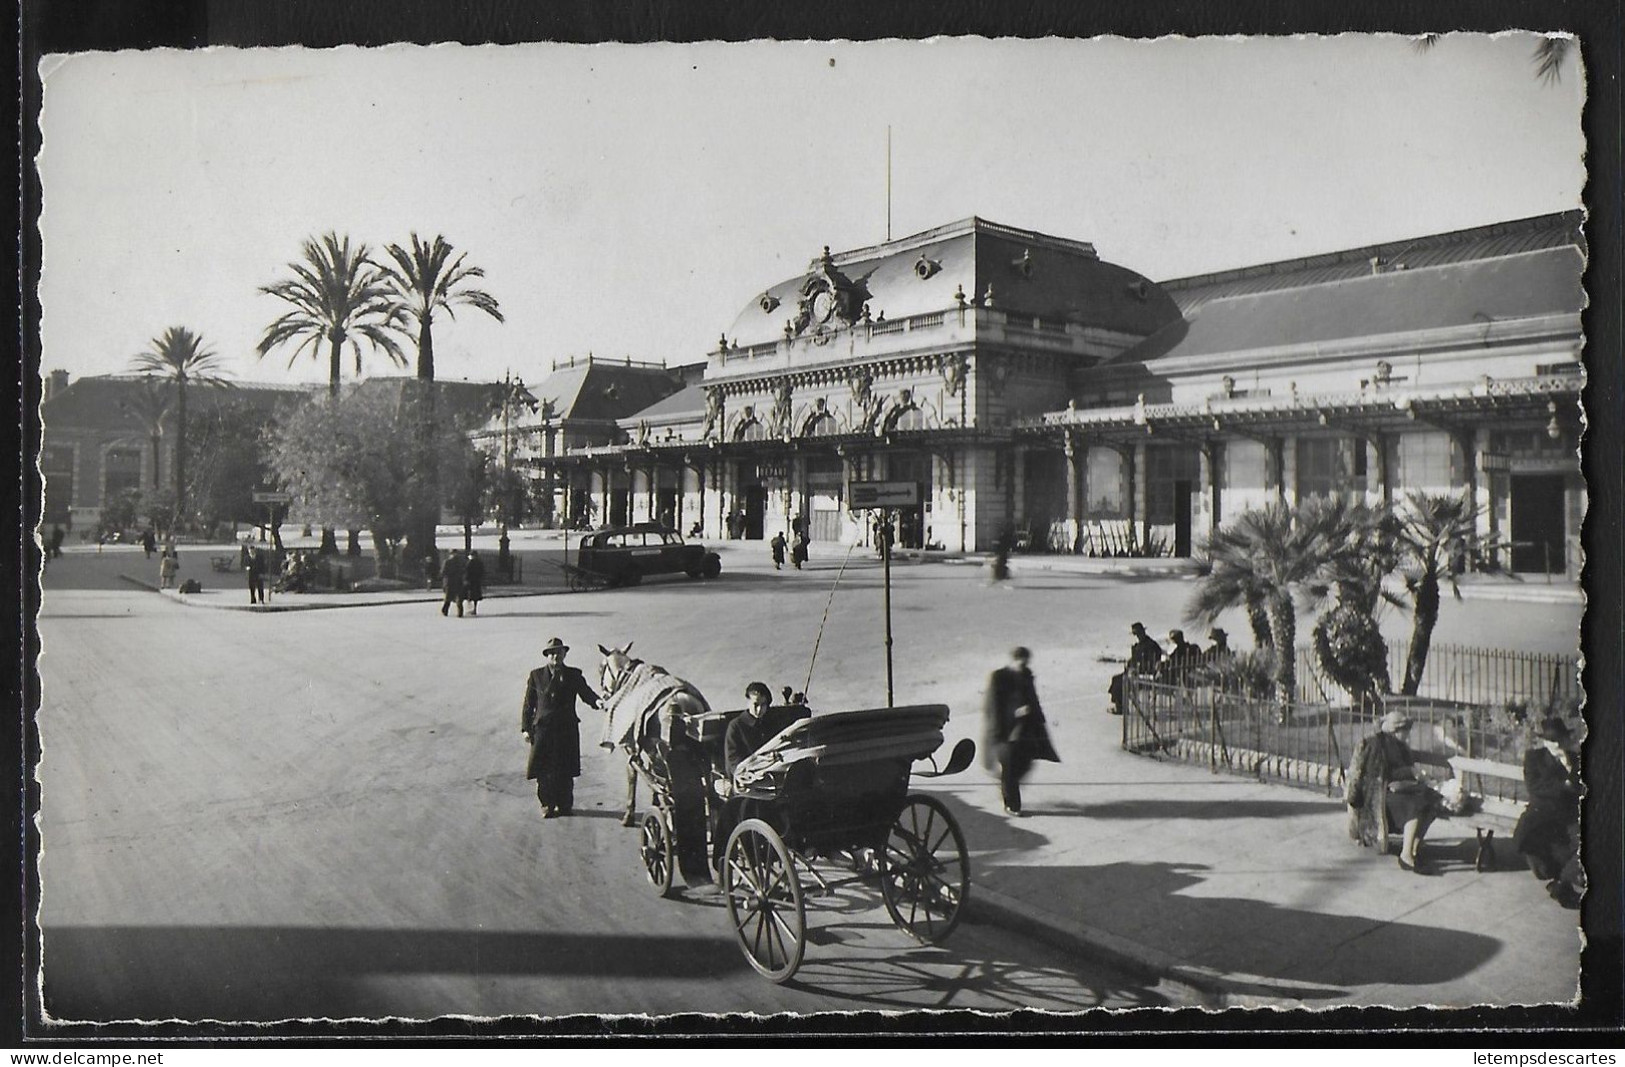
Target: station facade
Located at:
point(1029, 388)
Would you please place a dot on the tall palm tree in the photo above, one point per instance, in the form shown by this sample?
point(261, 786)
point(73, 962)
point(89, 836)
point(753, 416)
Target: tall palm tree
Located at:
point(1434, 534)
point(180, 356)
point(340, 297)
point(425, 279)
point(1360, 551)
point(1266, 556)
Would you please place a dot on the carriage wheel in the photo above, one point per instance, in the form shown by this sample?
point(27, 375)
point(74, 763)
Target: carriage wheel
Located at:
point(925, 875)
point(764, 900)
point(658, 853)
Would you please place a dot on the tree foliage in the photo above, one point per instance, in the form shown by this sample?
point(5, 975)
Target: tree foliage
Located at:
point(338, 296)
point(425, 279)
point(180, 357)
point(349, 462)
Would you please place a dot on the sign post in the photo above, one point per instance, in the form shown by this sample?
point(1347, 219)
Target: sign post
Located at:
point(884, 497)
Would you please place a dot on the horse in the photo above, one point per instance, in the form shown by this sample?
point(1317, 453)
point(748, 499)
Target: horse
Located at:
point(658, 700)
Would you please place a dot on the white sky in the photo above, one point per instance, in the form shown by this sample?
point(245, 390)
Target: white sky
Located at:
point(629, 199)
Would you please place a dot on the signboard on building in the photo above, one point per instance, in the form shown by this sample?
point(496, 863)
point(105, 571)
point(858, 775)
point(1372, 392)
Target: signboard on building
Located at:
point(885, 494)
point(764, 471)
point(1494, 462)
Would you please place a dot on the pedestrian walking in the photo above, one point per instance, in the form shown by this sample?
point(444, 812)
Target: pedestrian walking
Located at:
point(798, 549)
point(57, 535)
point(168, 564)
point(474, 581)
point(552, 730)
point(451, 582)
point(254, 566)
point(777, 545)
point(149, 543)
point(1016, 734)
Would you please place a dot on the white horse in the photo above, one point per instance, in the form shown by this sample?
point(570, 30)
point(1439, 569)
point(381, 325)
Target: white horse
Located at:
point(644, 705)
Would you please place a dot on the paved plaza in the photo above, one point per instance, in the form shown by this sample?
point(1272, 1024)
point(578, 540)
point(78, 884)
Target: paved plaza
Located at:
point(273, 814)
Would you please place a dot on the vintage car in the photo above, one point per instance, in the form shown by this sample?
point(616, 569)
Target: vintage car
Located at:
point(624, 555)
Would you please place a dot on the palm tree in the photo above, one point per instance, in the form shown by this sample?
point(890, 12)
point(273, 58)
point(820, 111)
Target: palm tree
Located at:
point(1549, 56)
point(1434, 534)
point(339, 296)
point(1360, 552)
point(180, 356)
point(151, 407)
point(426, 280)
point(1267, 555)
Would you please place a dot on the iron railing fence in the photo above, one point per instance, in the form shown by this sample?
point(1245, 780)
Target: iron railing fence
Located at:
point(1477, 703)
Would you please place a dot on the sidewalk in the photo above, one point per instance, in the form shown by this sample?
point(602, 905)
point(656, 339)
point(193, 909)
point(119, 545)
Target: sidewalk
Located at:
point(1239, 892)
point(1251, 894)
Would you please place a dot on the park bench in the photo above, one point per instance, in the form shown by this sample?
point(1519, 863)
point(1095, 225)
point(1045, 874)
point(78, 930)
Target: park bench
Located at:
point(1495, 807)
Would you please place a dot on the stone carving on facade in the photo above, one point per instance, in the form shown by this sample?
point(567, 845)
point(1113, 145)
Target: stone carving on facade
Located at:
point(829, 300)
point(868, 405)
point(641, 439)
point(713, 414)
point(820, 411)
point(747, 419)
point(902, 405)
point(768, 302)
point(778, 423)
point(953, 372)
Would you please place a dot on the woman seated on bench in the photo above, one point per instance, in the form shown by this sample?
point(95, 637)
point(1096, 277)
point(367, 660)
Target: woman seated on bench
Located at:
point(1548, 832)
point(1384, 791)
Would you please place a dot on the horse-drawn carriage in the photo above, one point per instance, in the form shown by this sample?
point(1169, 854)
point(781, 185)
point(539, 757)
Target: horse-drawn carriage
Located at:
point(827, 790)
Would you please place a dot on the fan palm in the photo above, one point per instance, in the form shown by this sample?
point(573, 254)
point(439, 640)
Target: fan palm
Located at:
point(180, 356)
point(425, 279)
point(1360, 552)
point(1434, 533)
point(340, 297)
point(1267, 555)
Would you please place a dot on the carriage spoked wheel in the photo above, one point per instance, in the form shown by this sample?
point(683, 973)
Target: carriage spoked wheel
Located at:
point(658, 853)
point(764, 900)
point(924, 872)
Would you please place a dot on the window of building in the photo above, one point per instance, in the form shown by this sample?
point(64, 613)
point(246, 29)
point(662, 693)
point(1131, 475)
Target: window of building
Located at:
point(1246, 465)
point(1104, 484)
point(1170, 473)
point(123, 472)
point(1427, 461)
point(1325, 467)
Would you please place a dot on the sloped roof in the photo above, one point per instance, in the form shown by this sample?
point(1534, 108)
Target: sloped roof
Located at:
point(102, 402)
point(686, 403)
point(1062, 279)
point(1522, 285)
point(464, 403)
point(594, 389)
point(1559, 230)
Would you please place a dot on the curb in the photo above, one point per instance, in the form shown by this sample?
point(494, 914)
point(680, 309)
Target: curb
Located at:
point(267, 609)
point(1204, 987)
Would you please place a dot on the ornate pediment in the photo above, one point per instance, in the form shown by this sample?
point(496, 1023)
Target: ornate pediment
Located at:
point(829, 300)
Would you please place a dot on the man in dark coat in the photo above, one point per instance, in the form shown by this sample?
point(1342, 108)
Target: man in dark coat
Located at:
point(474, 581)
point(1143, 659)
point(451, 580)
point(255, 569)
point(1016, 736)
point(777, 547)
point(1183, 658)
point(548, 721)
point(1548, 831)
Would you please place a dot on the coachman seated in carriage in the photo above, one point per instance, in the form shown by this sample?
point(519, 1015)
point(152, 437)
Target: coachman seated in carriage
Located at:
point(752, 728)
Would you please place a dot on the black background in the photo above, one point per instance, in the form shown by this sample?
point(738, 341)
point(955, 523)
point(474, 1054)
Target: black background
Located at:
point(79, 25)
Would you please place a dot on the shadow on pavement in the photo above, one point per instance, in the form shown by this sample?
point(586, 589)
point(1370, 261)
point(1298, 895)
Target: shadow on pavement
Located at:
point(1186, 809)
point(285, 972)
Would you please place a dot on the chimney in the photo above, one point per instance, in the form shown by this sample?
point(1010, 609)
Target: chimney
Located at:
point(54, 383)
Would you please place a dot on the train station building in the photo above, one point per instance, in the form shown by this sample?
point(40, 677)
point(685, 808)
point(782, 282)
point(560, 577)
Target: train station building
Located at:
point(1029, 387)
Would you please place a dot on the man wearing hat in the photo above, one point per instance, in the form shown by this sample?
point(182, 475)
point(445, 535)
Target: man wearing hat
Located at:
point(548, 721)
point(1143, 658)
point(1548, 831)
point(1218, 653)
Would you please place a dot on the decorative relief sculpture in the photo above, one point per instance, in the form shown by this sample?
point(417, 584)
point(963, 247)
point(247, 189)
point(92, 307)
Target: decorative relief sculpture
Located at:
point(713, 414)
point(867, 403)
point(829, 300)
point(953, 372)
point(899, 407)
point(778, 423)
